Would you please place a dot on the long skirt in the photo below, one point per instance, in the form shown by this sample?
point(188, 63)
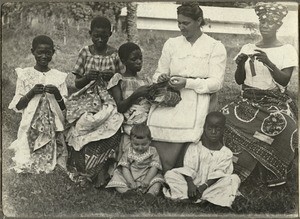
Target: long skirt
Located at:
point(261, 127)
point(93, 160)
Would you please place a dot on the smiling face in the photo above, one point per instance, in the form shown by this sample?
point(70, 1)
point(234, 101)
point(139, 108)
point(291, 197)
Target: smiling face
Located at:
point(100, 37)
point(188, 26)
point(134, 61)
point(213, 129)
point(140, 145)
point(43, 55)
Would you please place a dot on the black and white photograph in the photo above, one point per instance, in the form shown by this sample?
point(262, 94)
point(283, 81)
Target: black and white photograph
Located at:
point(164, 109)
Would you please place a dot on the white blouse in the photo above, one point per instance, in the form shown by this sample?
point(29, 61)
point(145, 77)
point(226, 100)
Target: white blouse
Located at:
point(284, 56)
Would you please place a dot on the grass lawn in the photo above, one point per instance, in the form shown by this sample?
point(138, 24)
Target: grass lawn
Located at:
point(27, 195)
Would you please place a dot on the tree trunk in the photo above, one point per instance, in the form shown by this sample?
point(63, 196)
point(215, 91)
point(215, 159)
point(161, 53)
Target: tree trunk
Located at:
point(131, 19)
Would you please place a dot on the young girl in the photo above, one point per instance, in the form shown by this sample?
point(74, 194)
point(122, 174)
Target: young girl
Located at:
point(207, 171)
point(39, 96)
point(91, 112)
point(129, 91)
point(139, 167)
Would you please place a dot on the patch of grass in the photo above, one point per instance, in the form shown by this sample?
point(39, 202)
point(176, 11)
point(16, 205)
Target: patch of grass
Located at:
point(54, 194)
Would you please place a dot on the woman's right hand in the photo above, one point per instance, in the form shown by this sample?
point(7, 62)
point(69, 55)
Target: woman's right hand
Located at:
point(163, 77)
point(241, 59)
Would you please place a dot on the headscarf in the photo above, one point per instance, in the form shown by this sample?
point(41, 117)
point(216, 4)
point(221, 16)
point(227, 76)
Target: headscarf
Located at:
point(271, 13)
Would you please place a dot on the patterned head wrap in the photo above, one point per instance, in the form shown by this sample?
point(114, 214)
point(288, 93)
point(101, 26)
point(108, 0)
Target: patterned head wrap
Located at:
point(271, 13)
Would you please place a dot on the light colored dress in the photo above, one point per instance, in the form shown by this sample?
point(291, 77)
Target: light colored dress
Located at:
point(40, 141)
point(139, 165)
point(138, 112)
point(203, 64)
point(202, 164)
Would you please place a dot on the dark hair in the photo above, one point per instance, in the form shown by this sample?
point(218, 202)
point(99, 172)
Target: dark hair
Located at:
point(140, 131)
point(216, 114)
point(127, 48)
point(42, 39)
point(191, 10)
point(100, 22)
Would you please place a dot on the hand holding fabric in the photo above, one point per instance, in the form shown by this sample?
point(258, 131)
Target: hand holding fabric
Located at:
point(177, 83)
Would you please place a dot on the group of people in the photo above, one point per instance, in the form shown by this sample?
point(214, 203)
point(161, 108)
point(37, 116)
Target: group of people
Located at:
point(136, 134)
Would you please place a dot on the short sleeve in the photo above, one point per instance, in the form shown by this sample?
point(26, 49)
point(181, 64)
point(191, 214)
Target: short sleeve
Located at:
point(81, 60)
point(119, 65)
point(114, 80)
point(290, 58)
point(155, 160)
point(20, 91)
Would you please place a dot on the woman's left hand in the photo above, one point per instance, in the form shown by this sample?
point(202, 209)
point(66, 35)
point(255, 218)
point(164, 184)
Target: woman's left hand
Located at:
point(51, 89)
point(261, 56)
point(177, 82)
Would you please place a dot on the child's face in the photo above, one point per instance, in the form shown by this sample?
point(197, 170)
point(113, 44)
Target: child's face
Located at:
point(213, 129)
point(100, 37)
point(140, 145)
point(134, 61)
point(43, 54)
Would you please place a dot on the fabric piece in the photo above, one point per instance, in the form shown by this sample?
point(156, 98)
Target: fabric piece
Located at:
point(202, 164)
point(139, 165)
point(203, 64)
point(162, 94)
point(270, 113)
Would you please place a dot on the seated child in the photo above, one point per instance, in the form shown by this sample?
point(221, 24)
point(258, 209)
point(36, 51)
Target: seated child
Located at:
point(40, 93)
point(92, 115)
point(207, 170)
point(139, 167)
point(130, 91)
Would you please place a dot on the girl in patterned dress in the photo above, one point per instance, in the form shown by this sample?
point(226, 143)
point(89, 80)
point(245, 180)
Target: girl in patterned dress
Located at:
point(92, 114)
point(39, 96)
point(130, 90)
point(139, 168)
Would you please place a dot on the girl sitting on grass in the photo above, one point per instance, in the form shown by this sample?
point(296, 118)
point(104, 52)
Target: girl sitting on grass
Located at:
point(207, 171)
point(39, 96)
point(129, 91)
point(140, 166)
point(94, 121)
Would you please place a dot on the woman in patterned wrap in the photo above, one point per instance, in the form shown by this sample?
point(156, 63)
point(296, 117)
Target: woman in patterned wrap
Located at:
point(261, 125)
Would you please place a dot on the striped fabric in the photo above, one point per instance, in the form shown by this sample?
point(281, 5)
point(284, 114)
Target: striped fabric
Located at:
point(87, 61)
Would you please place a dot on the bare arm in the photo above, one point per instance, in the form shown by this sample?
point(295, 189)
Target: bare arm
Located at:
point(124, 104)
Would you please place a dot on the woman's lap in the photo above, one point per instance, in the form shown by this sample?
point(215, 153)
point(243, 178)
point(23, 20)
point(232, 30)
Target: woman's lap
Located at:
point(252, 136)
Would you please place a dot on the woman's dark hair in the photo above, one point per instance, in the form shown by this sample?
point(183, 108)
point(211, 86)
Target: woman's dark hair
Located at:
point(100, 22)
point(42, 39)
point(191, 10)
point(127, 48)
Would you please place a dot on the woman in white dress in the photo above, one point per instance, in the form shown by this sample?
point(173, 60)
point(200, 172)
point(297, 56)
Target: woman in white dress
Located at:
point(194, 64)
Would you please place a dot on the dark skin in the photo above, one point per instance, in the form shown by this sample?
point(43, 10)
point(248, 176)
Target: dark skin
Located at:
point(43, 55)
point(269, 40)
point(211, 139)
point(133, 65)
point(100, 37)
